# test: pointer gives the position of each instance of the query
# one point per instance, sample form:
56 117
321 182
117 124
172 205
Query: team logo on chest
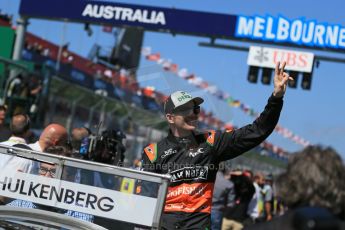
168 152
194 153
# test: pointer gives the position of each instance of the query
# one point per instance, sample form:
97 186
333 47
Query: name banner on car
268 58
101 202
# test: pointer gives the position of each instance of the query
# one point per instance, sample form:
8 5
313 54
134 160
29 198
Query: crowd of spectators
5 19
310 194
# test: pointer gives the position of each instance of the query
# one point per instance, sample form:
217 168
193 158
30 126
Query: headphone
28 122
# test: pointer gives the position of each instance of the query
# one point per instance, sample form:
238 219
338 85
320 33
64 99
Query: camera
106 147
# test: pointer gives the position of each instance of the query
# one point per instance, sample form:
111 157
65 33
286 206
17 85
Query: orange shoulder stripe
151 152
210 137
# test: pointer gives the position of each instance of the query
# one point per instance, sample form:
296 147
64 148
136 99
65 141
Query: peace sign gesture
281 79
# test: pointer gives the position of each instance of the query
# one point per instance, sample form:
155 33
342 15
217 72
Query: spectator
223 197
244 190
255 205
53 134
44 169
15 86
268 198
26 87
47 170
34 85
313 188
5 132
69 174
78 134
20 125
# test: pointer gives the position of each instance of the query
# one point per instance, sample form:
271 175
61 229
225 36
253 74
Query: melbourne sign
268 57
299 31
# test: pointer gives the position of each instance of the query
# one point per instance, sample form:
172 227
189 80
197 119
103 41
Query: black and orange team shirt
193 163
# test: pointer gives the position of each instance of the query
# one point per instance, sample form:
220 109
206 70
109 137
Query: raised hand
280 80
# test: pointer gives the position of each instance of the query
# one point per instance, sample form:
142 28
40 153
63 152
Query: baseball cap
178 99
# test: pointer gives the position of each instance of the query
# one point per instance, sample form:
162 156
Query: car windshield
24 218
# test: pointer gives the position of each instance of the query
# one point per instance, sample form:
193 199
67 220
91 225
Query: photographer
78 134
235 216
106 148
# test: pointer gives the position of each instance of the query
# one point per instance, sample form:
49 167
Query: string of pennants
198 82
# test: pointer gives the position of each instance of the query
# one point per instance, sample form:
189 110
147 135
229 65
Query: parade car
14 218
51 195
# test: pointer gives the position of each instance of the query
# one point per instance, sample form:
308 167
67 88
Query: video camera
106 147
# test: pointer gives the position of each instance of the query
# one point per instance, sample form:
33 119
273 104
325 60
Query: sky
317 115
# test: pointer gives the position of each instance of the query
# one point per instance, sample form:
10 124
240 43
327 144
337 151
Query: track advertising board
301 32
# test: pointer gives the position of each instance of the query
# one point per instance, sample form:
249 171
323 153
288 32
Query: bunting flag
146 51
173 68
148 91
212 89
182 73
153 57
107 29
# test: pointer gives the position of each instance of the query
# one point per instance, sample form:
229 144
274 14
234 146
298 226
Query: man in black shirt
192 158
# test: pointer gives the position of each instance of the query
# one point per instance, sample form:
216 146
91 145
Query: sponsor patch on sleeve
151 152
210 137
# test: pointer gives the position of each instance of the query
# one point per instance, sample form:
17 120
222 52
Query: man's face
47 170
186 117
261 181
